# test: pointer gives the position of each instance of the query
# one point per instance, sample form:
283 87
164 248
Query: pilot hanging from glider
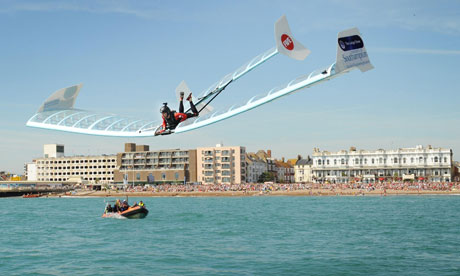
171 118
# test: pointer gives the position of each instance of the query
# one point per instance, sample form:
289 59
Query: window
176 176
436 159
163 176
445 159
138 176
327 161
319 162
395 160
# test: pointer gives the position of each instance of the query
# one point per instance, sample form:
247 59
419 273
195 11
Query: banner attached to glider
351 52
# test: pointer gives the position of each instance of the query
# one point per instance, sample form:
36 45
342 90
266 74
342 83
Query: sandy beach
312 192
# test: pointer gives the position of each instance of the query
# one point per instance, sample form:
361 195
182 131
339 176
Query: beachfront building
404 164
221 165
456 177
269 161
302 170
285 172
56 167
30 171
140 165
255 167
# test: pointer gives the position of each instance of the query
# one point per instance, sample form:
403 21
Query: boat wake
114 215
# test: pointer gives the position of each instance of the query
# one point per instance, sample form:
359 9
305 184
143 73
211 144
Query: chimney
299 157
269 153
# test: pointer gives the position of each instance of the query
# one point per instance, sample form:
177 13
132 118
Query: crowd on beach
270 187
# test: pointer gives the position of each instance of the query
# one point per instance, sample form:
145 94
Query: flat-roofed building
30 171
221 165
53 150
56 167
140 165
418 163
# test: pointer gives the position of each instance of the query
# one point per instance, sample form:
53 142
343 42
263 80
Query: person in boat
141 204
108 208
124 206
171 118
117 206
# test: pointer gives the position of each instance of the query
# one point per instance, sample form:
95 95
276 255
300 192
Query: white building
302 170
219 164
30 171
56 167
255 167
419 163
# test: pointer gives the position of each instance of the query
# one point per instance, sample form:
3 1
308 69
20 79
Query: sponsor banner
287 42
351 52
350 42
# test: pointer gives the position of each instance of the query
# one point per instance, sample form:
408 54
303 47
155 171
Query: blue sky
130 56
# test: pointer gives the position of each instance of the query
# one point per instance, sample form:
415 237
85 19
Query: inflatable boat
137 212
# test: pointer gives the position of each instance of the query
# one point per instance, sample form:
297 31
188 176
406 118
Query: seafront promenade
313 189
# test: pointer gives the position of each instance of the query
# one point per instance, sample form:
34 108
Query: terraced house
404 164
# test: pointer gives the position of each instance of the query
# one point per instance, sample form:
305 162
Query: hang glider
58 112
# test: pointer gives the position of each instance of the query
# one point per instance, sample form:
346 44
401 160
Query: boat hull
132 213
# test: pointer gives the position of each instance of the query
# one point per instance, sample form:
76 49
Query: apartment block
219 164
140 165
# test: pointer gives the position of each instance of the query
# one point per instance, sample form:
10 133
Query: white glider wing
351 54
58 113
286 44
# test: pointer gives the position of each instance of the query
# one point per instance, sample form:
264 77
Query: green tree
266 176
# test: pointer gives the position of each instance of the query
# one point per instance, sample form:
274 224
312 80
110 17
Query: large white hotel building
56 167
419 163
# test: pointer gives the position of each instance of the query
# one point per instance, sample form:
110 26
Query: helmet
165 108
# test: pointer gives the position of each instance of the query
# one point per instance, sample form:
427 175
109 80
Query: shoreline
313 192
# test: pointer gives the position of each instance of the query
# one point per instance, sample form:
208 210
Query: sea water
395 235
